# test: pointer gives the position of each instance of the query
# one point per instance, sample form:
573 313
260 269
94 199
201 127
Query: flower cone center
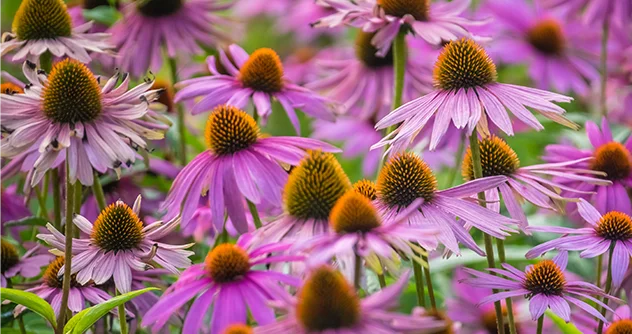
263 71
404 179
10 88
166 97
51 275
314 186
547 37
613 159
117 228
42 19
615 226
417 8
9 256
463 64
366 188
497 158
158 8
72 94
327 302
354 213
620 327
238 329
227 262
545 278
229 130
365 51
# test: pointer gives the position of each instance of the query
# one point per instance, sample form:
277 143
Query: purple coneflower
406 178
612 230
44 26
465 76
596 11
228 283
433 22
531 183
238 164
178 26
326 303
544 285
255 78
51 290
117 243
610 157
561 53
28 265
68 110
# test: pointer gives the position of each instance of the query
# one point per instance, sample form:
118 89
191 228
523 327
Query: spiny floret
263 71
615 226
52 276
367 188
158 8
229 130
497 158
365 51
463 64
314 186
238 329
623 326
9 256
117 228
404 179
42 19
354 213
72 94
614 160
547 37
545 277
227 262
327 302
419 9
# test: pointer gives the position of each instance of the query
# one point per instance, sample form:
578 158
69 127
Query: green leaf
30 301
27 221
83 320
565 328
103 14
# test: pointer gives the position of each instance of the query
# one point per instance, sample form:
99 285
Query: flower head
28 265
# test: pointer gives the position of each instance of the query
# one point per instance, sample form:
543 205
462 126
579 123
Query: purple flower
326 303
255 78
611 230
13 206
561 53
434 22
544 285
41 26
595 11
117 243
228 283
238 164
102 127
610 157
177 26
468 95
406 178
28 265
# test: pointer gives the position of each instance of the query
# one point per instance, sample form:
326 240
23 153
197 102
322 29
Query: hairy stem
540 324
181 126
97 189
500 245
122 318
607 288
431 295
61 319
357 275
56 197
604 66
419 284
255 214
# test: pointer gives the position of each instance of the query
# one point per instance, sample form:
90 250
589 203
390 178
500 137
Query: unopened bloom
100 126
256 78
45 26
327 303
239 163
610 230
28 265
118 243
468 95
228 283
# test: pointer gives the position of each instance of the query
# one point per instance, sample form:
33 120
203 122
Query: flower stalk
61 319
604 66
607 288
181 126
419 284
357 275
97 189
500 245
255 214
540 324
56 197
431 296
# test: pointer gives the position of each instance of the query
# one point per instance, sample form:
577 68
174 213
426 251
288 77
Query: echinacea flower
327 303
468 95
101 127
44 26
610 157
531 183
357 231
544 285
406 178
612 230
434 22
256 78
118 243
228 283
595 11
177 26
621 321
561 53
28 265
239 163
51 290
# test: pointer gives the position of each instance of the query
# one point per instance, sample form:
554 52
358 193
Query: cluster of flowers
262 233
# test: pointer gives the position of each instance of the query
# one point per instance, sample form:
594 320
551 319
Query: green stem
255 214
21 324
382 280
97 189
607 288
46 61
122 318
357 274
599 266
431 295
181 126
457 163
604 66
489 248
419 284
500 245
61 319
56 197
42 203
540 324
78 200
